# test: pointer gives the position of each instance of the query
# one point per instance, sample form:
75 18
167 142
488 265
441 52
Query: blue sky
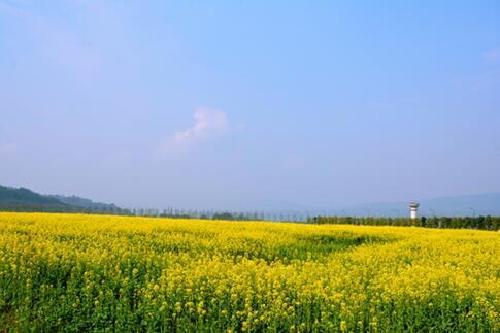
250 104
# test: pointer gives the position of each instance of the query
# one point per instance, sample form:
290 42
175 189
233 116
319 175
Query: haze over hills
464 205
85 203
451 206
467 205
22 199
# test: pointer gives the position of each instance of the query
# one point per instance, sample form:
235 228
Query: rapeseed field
78 272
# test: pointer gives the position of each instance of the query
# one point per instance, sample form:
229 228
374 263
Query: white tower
413 210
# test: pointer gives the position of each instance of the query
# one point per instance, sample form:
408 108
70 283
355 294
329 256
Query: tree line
487 222
219 215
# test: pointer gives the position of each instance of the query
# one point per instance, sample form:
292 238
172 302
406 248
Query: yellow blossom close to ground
79 272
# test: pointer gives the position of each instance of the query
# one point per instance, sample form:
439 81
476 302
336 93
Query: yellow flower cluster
81 272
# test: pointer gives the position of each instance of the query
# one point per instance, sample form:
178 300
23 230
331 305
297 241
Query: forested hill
22 199
85 203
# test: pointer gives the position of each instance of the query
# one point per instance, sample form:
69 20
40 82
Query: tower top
414 204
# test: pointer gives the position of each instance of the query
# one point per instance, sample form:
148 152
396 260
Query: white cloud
208 123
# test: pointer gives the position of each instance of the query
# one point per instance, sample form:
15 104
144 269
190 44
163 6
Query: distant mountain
26 200
465 205
85 203
22 199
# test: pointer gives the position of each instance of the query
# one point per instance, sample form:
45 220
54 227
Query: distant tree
223 216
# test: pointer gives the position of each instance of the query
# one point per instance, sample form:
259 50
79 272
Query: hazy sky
250 104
